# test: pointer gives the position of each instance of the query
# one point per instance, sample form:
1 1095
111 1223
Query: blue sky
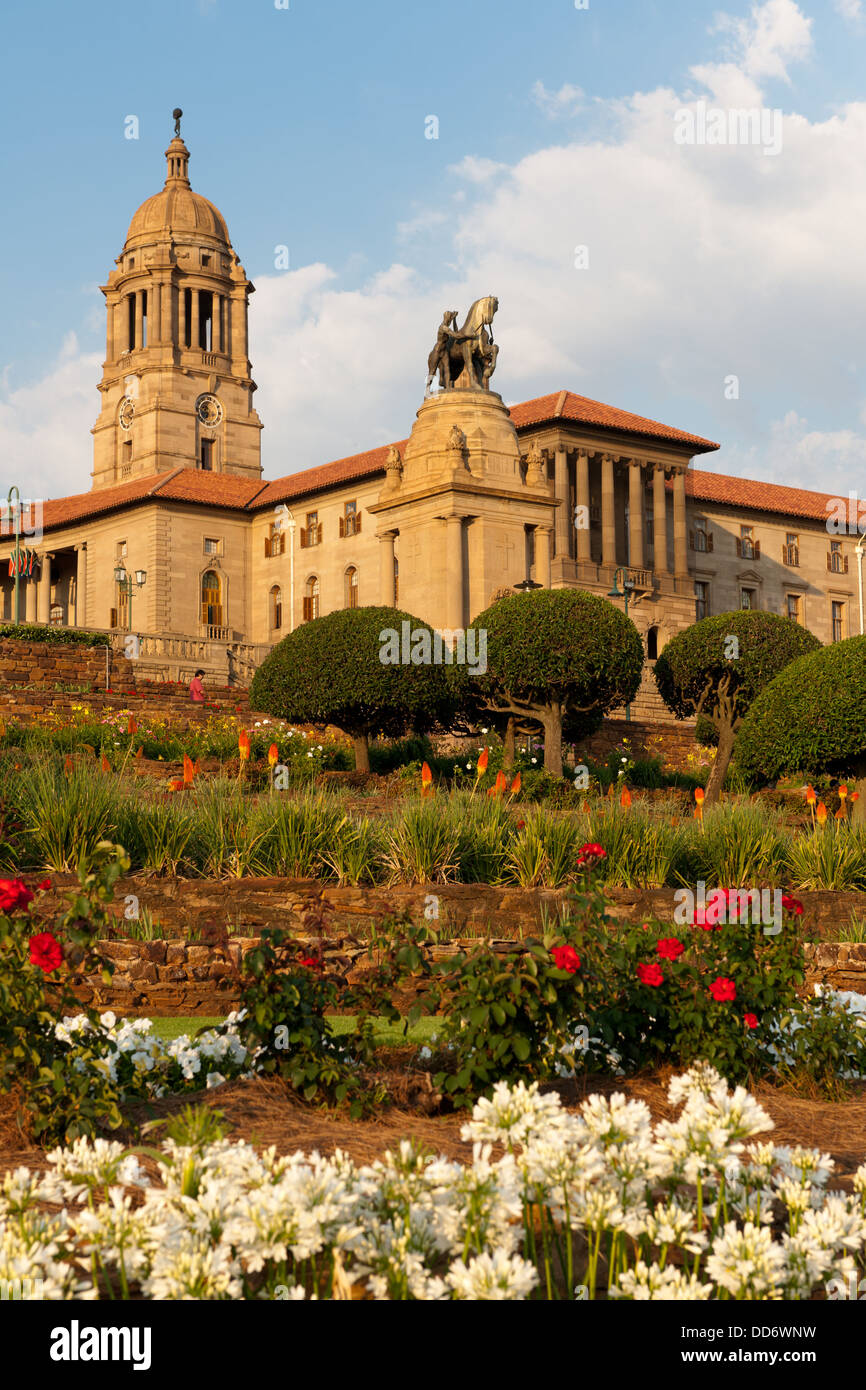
307 127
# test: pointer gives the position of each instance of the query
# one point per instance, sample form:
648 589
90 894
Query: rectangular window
700 533
702 600
211 545
121 550
837 563
748 598
837 621
791 549
207 454
275 540
794 607
311 534
747 547
350 521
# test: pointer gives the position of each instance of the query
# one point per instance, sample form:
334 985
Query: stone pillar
453 573
194 336
681 548
109 332
154 326
608 516
542 555
635 515
139 317
584 547
660 521
29 599
181 316
43 602
216 324
81 586
563 497
386 569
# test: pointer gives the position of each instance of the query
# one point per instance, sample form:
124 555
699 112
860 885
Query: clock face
209 410
126 413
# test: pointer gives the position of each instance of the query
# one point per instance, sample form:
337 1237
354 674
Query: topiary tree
812 719
714 669
344 669
556 656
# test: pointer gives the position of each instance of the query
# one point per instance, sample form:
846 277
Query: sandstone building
560 491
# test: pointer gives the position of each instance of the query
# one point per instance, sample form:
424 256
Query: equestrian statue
466 356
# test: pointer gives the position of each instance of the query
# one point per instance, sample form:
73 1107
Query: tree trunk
508 744
362 753
858 810
552 724
720 764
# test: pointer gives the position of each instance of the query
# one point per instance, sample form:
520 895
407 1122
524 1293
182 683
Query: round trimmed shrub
713 670
811 718
562 657
331 671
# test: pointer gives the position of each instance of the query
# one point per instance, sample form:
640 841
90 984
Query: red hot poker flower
669 947
45 952
651 974
723 990
566 958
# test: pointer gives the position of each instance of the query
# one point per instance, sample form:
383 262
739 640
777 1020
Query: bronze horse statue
469 349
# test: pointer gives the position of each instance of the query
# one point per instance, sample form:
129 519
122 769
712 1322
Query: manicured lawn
388 1035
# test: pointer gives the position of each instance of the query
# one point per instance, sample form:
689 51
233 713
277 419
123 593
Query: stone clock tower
176 385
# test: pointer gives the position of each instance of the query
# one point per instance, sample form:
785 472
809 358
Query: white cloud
849 9
564 102
477 170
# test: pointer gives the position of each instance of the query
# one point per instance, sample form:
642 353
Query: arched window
55 616
311 599
652 644
211 599
351 587
276 607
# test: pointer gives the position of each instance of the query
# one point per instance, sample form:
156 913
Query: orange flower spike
131 727
426 780
811 798
196 767
843 791
67 764
855 796
841 814
140 753
176 785
483 760
500 784
243 745
625 799
106 765
699 795
516 785
188 770
821 813
273 755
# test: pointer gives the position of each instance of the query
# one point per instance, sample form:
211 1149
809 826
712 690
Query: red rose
590 855
707 918
650 974
45 952
566 958
750 1020
14 894
44 886
310 963
669 947
790 904
723 990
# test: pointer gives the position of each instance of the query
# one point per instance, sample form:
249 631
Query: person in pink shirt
196 689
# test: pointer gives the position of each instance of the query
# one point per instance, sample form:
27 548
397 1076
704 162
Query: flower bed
576 1205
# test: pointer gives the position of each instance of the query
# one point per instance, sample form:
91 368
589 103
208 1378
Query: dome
177 208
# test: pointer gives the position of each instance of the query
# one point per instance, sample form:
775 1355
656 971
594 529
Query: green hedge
60 636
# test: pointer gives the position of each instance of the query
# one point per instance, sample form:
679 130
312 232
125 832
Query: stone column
562 490
608 517
660 521
181 316
635 515
43 603
386 569
216 325
81 586
139 317
194 336
154 327
584 547
454 573
542 555
681 549
29 599
109 332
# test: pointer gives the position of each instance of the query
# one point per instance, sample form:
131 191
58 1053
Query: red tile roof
565 405
763 497
180 485
326 475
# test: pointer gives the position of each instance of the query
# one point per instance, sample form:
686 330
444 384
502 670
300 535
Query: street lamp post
15 553
616 592
858 550
127 587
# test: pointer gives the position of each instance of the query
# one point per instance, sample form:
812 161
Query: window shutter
845 571
319 534
691 540
267 545
342 526
740 548
357 523
308 609
113 620
756 550
829 560
709 540
282 542
303 534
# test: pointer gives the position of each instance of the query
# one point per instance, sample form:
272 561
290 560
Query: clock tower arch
177 390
